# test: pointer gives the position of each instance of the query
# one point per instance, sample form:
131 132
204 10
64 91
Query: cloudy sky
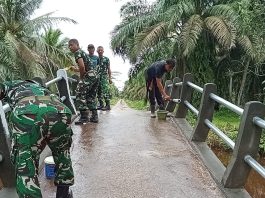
96 19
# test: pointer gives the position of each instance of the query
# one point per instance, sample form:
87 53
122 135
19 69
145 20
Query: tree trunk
243 82
180 68
231 87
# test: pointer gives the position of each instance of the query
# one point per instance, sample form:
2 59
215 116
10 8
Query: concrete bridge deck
128 154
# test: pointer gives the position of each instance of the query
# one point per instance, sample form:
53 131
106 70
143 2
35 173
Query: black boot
100 105
94 116
83 118
64 192
107 107
153 108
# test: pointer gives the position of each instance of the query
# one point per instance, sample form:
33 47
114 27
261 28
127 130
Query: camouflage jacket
15 90
95 63
87 60
104 64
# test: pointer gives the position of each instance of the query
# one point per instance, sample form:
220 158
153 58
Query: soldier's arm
109 72
81 65
161 89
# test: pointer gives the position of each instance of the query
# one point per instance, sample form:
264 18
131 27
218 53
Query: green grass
114 101
227 121
136 104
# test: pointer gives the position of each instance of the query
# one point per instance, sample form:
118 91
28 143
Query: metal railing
245 148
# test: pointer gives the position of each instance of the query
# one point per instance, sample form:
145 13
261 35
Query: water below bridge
128 154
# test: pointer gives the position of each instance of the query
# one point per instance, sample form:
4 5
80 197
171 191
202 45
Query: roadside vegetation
218 41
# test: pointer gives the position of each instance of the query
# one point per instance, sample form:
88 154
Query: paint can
49 167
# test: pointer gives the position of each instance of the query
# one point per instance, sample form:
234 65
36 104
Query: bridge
128 154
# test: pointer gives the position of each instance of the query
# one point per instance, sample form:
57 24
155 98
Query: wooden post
247 143
186 92
200 131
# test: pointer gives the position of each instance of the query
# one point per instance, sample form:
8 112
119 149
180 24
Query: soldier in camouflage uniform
37 119
105 80
87 88
94 58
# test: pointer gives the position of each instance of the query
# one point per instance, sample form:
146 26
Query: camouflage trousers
34 124
86 92
103 89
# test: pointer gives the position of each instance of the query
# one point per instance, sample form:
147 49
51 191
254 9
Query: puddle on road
163 154
149 154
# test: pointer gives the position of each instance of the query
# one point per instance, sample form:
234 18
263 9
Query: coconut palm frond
223 31
224 11
27 58
245 42
24 9
164 5
24 52
133 9
188 7
149 37
172 15
190 34
176 50
122 32
45 22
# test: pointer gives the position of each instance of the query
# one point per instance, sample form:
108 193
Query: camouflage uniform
94 61
37 118
104 90
87 88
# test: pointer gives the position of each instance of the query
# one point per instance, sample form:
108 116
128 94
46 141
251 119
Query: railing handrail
259 122
255 165
227 104
191 107
176 84
55 80
210 96
196 87
220 133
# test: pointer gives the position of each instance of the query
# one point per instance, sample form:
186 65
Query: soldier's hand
73 68
167 98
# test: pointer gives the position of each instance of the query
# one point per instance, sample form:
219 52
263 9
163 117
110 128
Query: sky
96 19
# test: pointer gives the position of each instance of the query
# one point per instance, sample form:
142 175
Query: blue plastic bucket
49 167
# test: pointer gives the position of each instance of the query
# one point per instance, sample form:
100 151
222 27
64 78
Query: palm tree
55 51
20 36
217 40
186 24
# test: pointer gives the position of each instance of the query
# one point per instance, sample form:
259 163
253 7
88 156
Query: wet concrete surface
129 155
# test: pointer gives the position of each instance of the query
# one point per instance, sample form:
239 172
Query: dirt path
128 154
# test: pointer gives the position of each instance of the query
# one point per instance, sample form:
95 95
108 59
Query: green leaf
223 31
190 34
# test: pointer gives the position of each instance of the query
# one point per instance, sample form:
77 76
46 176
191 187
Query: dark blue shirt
94 60
156 70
